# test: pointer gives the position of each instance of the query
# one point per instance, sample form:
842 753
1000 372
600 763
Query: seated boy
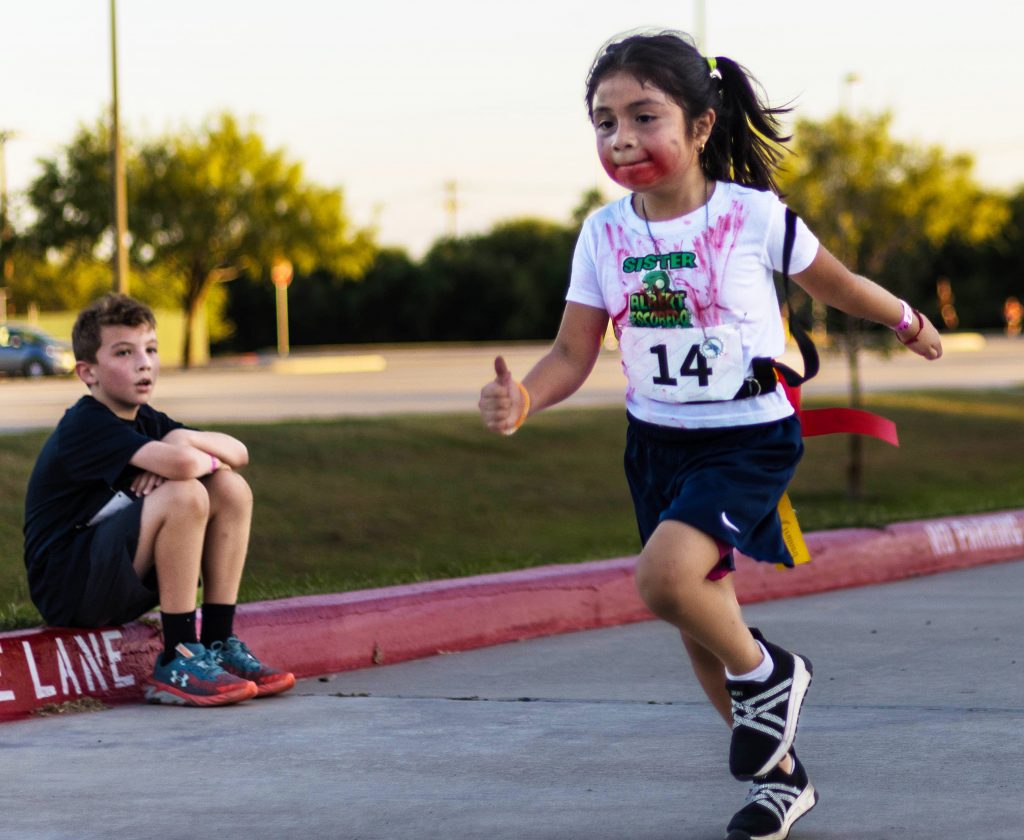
126 509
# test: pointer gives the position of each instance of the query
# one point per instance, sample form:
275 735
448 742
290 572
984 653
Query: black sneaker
774 803
765 714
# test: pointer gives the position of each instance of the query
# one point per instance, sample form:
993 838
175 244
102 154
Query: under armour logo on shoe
179 679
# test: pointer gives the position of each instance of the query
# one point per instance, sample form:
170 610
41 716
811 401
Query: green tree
883 207
590 201
61 261
505 284
73 196
215 203
202 208
982 277
508 283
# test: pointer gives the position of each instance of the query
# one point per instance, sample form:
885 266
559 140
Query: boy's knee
227 487
186 497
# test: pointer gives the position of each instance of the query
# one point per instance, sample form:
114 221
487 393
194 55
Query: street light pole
120 193
281 273
6 260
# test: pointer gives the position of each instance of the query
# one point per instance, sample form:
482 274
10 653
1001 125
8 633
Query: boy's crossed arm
184 454
228 450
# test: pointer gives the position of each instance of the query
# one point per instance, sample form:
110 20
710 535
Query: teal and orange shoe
235 658
194 678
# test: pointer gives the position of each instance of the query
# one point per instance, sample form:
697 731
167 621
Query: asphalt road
912 731
374 381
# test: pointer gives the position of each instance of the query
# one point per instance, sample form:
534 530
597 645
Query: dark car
31 352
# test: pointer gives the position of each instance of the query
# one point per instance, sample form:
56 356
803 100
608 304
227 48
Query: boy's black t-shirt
80 467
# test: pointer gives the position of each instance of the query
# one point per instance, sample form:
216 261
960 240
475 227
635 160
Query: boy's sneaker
193 678
237 659
774 803
765 714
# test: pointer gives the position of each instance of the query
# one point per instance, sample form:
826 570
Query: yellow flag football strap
792 536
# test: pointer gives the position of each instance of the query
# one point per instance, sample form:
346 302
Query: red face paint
634 176
639 175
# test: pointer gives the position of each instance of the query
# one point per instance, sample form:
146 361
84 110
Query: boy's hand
146 482
922 338
501 401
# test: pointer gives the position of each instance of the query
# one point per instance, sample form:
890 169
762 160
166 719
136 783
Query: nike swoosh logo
728 524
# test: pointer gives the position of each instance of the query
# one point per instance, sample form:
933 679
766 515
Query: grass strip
358 503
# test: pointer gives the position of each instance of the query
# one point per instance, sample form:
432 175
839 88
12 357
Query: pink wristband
908 317
214 464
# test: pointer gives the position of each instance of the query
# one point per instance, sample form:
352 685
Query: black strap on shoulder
764 380
808 351
788 240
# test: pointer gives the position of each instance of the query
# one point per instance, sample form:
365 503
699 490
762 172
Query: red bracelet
913 338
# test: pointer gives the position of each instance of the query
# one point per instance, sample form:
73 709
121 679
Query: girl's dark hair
745 145
111 310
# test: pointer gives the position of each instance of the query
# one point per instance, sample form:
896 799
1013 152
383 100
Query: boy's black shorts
113 593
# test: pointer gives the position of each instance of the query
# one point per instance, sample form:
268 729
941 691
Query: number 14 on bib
684 365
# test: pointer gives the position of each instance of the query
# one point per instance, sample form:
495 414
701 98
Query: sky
394 102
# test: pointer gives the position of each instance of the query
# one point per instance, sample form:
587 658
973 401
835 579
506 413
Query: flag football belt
763 380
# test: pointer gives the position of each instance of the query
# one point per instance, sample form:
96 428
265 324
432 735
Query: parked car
31 352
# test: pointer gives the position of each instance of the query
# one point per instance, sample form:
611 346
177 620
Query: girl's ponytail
746 144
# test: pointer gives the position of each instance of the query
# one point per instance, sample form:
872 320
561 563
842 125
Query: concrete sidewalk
913 730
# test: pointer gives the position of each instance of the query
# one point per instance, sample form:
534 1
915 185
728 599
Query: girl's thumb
502 373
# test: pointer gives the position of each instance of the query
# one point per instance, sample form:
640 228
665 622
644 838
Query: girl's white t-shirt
708 270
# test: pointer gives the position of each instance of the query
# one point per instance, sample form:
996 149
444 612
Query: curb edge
53 668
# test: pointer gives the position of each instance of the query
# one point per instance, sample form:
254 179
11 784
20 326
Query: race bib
684 365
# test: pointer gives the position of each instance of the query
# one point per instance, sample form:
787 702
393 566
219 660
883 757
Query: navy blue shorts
113 593
724 482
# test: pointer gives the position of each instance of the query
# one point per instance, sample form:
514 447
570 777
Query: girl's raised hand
501 401
922 337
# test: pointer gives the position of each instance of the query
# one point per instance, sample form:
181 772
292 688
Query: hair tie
715 73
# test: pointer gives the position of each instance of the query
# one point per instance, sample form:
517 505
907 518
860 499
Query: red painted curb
329 633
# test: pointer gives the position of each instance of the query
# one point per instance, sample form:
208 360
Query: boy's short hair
111 310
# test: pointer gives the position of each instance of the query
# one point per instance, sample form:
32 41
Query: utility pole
120 193
846 84
6 233
700 25
451 206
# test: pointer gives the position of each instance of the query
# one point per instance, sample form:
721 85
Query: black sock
218 623
178 628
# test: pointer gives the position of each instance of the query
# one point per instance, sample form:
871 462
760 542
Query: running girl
683 266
